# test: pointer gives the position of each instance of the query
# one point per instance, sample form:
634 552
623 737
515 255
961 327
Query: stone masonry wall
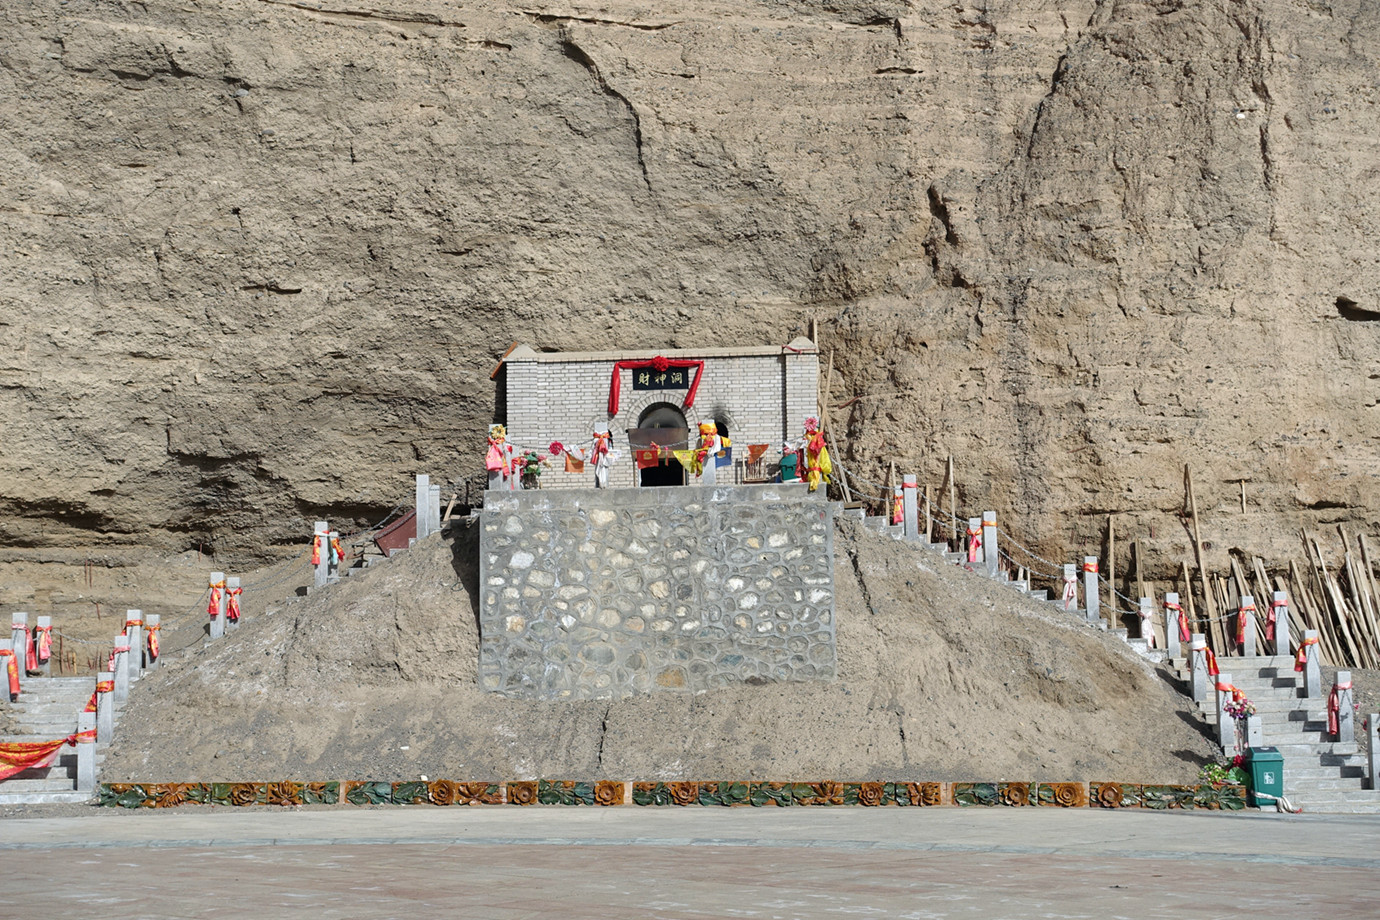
598 594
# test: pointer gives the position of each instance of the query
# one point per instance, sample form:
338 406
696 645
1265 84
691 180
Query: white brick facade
762 393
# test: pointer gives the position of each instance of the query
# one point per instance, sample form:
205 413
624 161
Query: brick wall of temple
599 594
764 395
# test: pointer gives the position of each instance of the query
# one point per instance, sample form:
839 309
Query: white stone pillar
153 626
1172 646
424 496
232 583
990 553
321 537
1070 586
1092 603
105 706
1373 767
1312 668
1346 714
1280 608
975 546
217 607
86 753
134 628
19 629
45 666
910 507
434 508
1197 656
1226 725
333 561
1255 733
1247 610
1146 610
121 668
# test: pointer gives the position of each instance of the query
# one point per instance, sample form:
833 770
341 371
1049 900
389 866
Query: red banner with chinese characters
36 755
660 365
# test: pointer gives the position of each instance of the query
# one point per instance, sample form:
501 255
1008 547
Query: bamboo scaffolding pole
1113 618
953 504
1348 650
1356 605
929 517
1370 589
1136 545
1365 608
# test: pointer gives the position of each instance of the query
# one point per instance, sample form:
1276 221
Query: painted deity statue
818 466
602 457
500 459
704 465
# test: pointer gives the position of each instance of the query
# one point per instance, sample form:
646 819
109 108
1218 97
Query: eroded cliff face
262 256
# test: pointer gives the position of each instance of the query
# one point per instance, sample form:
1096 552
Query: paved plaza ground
502 863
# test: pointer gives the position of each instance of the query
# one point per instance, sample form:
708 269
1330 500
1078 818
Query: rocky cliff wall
261 256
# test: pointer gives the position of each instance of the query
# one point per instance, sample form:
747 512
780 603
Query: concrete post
152 627
975 547
217 606
1255 734
1226 725
105 706
434 505
1070 586
423 497
910 507
1147 613
232 583
332 559
134 628
121 668
1198 661
1091 602
321 541
1312 669
45 665
1346 713
1172 645
1280 608
86 753
19 640
1373 768
1247 611
5 652
989 543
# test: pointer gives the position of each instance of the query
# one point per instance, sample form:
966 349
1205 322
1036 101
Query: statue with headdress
818 466
601 454
499 459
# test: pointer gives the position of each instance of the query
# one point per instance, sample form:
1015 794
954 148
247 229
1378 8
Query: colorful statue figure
602 456
499 460
790 460
818 467
529 467
703 464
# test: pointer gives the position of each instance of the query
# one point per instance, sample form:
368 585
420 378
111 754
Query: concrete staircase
1320 775
47 709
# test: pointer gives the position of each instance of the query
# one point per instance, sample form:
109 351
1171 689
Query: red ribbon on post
1183 621
1212 668
232 606
1301 661
45 643
657 364
1270 618
1242 618
152 630
213 607
12 667
1334 707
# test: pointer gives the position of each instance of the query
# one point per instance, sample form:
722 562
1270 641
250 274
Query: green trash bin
1266 767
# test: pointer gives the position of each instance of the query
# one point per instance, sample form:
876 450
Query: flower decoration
1239 708
660 364
555 448
522 793
608 793
870 794
685 793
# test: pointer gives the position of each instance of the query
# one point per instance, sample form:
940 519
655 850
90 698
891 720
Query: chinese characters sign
675 378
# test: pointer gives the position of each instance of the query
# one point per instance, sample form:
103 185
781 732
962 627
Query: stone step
1330 783
1339 797
1040 595
60 783
44 798
1315 751
956 558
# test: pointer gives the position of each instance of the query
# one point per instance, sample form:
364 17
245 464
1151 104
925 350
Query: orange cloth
45 643
1183 621
1302 660
573 465
755 452
316 540
232 607
1334 707
12 667
30 656
35 755
1242 618
213 607
1212 668
153 640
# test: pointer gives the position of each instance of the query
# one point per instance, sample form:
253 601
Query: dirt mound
943 675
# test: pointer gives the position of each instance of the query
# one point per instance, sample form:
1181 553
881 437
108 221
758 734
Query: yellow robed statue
818 467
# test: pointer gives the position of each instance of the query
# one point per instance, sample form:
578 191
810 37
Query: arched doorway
665 425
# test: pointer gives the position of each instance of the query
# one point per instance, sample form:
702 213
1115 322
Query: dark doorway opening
664 425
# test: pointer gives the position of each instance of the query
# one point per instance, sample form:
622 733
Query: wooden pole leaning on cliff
1198 546
953 504
1113 617
829 428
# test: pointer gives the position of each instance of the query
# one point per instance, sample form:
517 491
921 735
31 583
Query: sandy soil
943 675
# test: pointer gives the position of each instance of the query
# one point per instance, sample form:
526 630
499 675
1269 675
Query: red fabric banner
1212 668
658 364
646 457
1274 615
232 605
12 667
755 452
153 640
572 465
45 643
1302 660
1334 707
1242 618
213 606
36 755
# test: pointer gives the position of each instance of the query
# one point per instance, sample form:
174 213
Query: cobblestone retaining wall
598 594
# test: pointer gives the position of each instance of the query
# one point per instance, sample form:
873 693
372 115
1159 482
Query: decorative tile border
725 793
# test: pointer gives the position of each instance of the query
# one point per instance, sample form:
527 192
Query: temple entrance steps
47 709
1320 775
